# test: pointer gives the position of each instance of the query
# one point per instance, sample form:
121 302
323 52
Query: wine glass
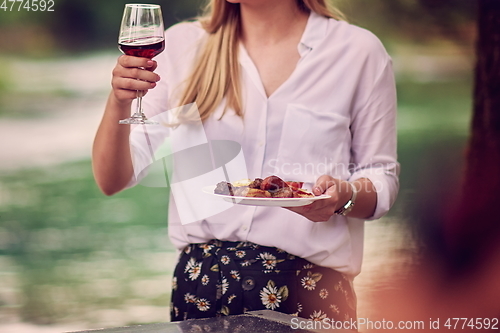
141 35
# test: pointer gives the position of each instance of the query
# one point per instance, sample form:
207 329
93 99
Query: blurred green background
71 256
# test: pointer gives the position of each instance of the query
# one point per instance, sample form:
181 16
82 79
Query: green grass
60 236
438 107
433 128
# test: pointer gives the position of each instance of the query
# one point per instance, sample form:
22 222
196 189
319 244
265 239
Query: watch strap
346 209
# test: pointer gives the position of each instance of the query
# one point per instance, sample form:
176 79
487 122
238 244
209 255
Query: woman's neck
269 22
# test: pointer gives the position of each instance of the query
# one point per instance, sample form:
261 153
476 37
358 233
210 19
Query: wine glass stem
139 103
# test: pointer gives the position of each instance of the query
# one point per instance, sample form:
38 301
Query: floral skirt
228 278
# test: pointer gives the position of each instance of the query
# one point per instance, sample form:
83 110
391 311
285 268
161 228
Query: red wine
146 47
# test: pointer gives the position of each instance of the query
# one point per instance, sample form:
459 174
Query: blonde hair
216 74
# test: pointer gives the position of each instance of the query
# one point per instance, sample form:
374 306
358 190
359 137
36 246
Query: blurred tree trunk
475 226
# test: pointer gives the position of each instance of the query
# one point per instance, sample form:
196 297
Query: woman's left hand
321 210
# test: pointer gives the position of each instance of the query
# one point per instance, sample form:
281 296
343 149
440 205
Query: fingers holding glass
141 38
126 80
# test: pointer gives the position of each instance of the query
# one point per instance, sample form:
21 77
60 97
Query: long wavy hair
216 73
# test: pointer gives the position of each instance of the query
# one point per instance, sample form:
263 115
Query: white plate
271 202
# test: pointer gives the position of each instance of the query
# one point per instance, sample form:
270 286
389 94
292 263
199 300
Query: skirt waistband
246 255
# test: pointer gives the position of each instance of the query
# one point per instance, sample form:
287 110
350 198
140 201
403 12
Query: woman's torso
301 131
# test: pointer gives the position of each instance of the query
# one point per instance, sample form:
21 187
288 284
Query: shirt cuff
386 183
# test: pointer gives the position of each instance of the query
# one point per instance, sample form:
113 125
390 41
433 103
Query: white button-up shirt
335 115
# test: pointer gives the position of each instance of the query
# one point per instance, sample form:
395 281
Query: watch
346 209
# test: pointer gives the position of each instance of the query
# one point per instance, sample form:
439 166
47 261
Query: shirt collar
314 32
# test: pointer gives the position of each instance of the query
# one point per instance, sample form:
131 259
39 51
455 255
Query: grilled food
269 187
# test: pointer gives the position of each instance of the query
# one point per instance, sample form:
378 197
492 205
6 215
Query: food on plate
269 187
273 184
245 191
256 183
283 192
224 188
295 185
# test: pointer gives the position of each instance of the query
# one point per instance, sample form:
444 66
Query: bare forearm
111 158
366 199
341 192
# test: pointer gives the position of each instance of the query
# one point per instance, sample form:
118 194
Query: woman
309 98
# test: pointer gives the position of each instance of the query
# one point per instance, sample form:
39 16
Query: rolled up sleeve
374 140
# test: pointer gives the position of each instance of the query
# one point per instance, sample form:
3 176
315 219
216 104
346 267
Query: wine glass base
138 118
137 121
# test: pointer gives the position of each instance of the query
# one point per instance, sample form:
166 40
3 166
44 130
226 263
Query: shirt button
248 283
244 228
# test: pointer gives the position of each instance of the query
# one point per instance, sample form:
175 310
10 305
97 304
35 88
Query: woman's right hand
132 74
